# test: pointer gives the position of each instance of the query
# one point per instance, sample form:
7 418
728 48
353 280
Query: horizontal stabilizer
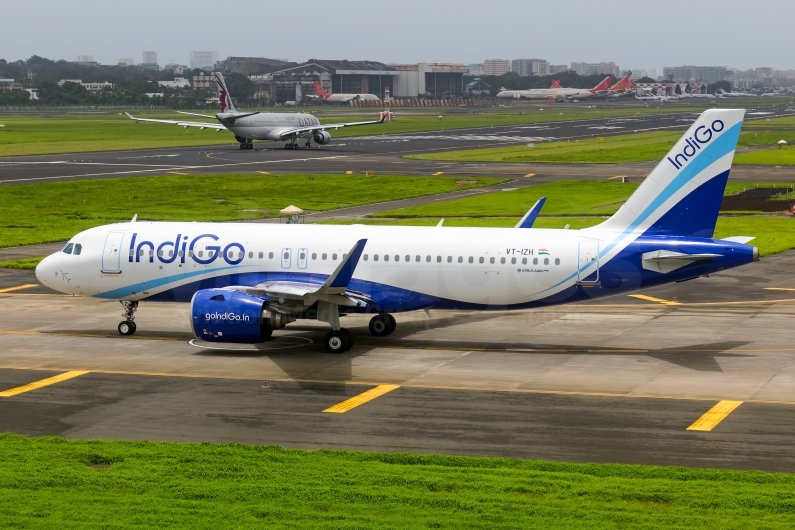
739 239
665 261
531 215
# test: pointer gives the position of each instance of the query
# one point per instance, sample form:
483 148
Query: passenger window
438 259
151 252
323 256
190 254
535 261
524 261
68 248
491 260
78 249
513 261
302 255
557 261
334 257
240 255
286 255
132 253
364 257
546 261
261 255
375 257
314 255
428 259
418 258
460 259
397 258
449 259
502 261
181 253
480 259
270 255
408 258
140 252
201 253
170 253
250 254
471 259
386 257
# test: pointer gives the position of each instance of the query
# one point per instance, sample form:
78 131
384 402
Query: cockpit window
68 248
78 249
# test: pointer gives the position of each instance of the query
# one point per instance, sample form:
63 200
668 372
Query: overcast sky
633 33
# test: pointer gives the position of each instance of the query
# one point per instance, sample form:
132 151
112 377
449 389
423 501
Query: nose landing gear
128 327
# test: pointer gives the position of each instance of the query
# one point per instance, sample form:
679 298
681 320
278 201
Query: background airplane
245 280
250 126
322 95
557 93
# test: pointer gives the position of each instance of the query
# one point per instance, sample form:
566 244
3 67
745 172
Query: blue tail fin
682 195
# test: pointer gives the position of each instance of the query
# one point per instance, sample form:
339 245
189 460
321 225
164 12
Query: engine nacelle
322 138
218 315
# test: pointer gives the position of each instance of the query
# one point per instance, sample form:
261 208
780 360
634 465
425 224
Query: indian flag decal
543 251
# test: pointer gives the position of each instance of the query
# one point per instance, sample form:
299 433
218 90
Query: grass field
54 483
41 213
24 264
51 133
640 147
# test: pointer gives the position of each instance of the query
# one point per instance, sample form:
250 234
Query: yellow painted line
42 383
653 299
18 287
263 172
530 175
177 173
361 399
714 416
779 288
349 172
438 173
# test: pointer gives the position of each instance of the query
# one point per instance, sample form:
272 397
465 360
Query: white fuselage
268 125
546 93
344 98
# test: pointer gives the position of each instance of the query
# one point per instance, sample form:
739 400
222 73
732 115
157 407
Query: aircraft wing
186 124
287 132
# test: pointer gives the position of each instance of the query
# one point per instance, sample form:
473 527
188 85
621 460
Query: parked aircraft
725 94
245 280
249 126
322 95
556 93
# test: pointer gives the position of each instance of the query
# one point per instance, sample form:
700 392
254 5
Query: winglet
135 218
440 223
342 275
530 217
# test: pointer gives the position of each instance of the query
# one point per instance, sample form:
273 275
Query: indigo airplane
249 126
245 280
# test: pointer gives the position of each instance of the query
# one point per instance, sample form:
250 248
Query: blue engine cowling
218 315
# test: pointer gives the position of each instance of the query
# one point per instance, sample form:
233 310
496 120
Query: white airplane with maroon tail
324 96
249 126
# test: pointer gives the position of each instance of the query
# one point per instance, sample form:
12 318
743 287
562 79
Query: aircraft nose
45 270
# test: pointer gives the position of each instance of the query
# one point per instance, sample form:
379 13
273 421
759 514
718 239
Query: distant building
86 60
475 69
7 85
178 69
586 69
496 66
203 60
91 87
126 61
529 67
558 68
204 82
178 82
150 61
154 94
706 74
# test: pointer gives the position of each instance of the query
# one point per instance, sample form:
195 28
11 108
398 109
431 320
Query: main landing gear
248 145
338 340
128 327
382 325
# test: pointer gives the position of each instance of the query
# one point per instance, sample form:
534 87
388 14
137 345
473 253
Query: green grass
25 264
41 213
42 132
50 483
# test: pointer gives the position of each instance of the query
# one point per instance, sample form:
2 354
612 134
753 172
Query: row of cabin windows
302 255
439 259
73 248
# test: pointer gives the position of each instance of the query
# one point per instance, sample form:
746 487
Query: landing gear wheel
127 327
336 342
250 146
382 325
349 335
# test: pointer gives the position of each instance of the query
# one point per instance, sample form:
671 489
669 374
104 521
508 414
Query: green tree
241 88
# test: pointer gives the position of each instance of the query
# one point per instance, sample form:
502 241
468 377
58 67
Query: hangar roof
319 66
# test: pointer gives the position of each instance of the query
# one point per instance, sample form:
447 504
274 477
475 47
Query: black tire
336 342
349 335
127 327
242 147
379 326
392 323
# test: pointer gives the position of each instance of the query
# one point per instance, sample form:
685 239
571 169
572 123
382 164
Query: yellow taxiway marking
714 416
779 288
361 399
19 287
42 383
177 173
349 172
263 172
530 175
438 173
653 299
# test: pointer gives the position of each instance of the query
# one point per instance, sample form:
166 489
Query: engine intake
322 138
218 315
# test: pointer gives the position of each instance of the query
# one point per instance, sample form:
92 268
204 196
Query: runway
627 379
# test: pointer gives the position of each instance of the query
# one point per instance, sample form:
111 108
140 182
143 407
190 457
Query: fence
16 108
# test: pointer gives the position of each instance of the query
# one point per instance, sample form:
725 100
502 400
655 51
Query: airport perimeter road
700 373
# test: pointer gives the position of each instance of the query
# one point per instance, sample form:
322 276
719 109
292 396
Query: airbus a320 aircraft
250 126
557 92
324 96
245 280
